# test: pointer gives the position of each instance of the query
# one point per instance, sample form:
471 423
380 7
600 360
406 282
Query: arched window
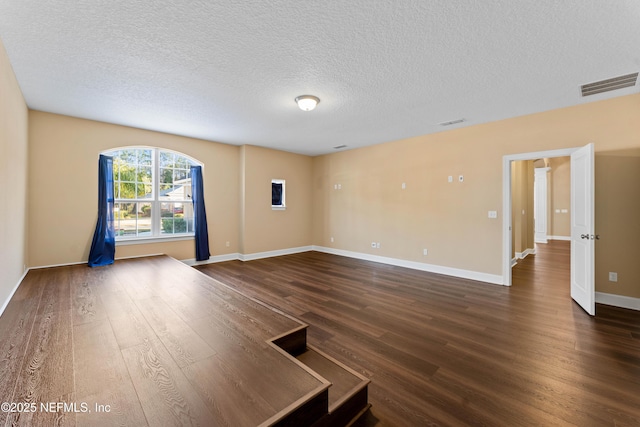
152 189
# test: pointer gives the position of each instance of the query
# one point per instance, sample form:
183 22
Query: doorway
540 195
581 213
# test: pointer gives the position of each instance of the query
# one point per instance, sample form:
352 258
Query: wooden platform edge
312 408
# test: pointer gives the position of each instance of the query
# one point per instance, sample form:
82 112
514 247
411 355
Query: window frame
156 235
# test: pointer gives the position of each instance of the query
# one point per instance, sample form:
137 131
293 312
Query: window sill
159 239
278 208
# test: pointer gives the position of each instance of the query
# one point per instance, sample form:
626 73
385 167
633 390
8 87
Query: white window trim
126 241
156 219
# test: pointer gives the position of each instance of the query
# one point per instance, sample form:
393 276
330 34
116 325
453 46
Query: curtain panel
200 215
103 246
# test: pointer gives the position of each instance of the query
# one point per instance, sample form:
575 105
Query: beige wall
13 179
264 229
560 197
618 222
522 178
237 181
63 185
450 219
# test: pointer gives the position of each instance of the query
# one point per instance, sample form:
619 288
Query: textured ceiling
229 70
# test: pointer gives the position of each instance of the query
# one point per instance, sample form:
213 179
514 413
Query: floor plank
165 394
102 378
16 325
182 342
85 300
47 370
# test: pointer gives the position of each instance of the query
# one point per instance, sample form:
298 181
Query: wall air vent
615 83
452 122
338 147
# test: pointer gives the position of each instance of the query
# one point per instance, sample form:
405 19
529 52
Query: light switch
450 179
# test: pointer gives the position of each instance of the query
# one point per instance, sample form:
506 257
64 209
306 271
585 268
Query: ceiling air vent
615 83
338 147
452 122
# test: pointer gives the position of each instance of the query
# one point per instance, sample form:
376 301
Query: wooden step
348 398
343 380
345 397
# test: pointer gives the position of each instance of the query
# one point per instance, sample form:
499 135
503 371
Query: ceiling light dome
307 102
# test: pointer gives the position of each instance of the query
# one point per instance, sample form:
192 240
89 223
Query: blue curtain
103 246
199 215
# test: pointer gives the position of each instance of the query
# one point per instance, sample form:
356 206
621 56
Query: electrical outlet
332 240
378 245
373 245
228 244
613 276
461 178
425 252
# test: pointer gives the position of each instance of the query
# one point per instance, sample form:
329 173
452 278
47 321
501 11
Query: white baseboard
523 255
540 240
248 257
279 252
618 300
567 238
465 274
212 260
494 279
38 267
514 261
66 264
13 291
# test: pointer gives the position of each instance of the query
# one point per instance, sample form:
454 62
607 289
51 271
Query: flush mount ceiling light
307 102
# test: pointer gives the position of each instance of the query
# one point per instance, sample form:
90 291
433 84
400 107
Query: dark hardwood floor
160 345
447 351
152 342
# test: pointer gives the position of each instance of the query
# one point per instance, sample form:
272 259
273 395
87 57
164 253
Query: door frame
506 201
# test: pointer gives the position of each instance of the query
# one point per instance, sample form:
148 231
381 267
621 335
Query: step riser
347 412
293 343
308 413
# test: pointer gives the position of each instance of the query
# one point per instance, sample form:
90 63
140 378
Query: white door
540 205
582 229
